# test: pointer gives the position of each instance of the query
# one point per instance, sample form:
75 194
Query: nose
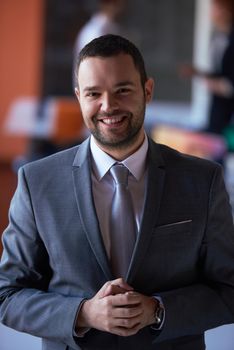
108 103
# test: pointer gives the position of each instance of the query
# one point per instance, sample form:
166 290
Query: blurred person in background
220 80
104 21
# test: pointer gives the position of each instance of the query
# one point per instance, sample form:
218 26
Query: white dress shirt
103 185
103 190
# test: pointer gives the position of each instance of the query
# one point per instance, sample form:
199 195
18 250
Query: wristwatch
159 314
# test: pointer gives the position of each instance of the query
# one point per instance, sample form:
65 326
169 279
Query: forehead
98 70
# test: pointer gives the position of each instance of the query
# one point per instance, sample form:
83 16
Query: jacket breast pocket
176 228
171 257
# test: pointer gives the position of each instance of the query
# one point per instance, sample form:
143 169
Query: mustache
117 113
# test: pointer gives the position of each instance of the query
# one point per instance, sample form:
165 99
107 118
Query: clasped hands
117 309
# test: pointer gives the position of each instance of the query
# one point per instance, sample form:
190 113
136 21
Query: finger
122 284
126 332
118 287
127 299
113 290
127 312
114 287
128 323
101 292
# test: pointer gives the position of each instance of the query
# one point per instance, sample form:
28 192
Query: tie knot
120 174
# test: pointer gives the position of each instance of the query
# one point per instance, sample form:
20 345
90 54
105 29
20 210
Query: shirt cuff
79 332
154 326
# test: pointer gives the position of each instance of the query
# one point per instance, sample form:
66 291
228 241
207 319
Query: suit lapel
155 183
86 208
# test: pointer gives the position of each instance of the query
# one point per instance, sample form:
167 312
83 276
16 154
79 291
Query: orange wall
21 54
21 38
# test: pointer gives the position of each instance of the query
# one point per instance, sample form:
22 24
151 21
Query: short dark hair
112 45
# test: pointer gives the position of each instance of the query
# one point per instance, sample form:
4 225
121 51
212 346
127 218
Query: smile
112 120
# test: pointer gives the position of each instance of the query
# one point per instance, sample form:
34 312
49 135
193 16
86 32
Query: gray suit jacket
54 256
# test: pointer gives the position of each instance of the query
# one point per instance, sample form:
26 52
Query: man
59 275
220 79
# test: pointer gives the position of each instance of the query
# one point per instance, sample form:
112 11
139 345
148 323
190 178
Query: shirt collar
102 162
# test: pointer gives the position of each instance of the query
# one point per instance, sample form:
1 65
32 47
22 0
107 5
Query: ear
149 89
77 92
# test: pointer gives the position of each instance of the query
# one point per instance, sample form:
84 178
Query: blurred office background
39 114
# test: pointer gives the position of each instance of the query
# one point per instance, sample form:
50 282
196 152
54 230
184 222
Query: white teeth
112 120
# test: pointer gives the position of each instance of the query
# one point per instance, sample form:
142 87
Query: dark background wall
163 30
63 20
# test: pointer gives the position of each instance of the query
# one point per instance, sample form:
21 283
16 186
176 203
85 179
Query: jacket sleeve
26 304
196 308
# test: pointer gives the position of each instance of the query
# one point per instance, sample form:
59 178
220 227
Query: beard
114 139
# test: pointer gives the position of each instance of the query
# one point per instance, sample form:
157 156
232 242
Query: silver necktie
122 223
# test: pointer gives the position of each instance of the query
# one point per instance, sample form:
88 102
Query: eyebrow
91 88
124 83
120 84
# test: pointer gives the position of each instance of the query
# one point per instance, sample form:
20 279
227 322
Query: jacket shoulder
177 160
55 162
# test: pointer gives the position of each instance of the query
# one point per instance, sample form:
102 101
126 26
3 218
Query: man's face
113 100
220 15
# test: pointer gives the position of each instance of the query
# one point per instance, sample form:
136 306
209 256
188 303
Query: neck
123 153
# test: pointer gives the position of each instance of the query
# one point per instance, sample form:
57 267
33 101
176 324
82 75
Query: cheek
138 103
130 103
88 110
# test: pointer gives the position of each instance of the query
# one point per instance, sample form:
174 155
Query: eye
123 91
92 94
